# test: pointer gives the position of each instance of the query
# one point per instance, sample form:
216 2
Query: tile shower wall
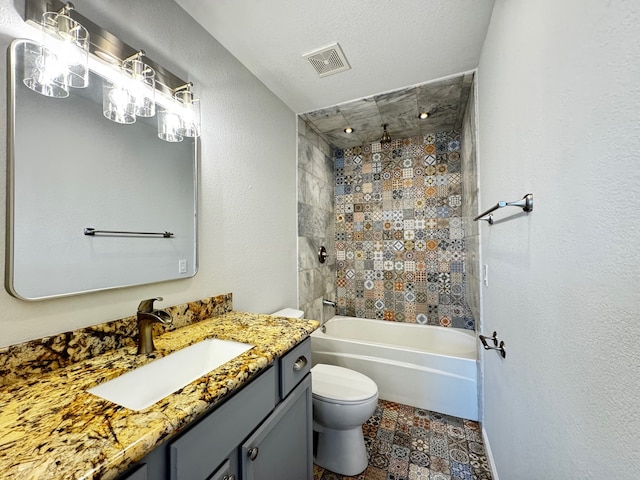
470 206
315 223
400 242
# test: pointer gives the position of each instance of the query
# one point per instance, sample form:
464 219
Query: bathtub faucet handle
329 303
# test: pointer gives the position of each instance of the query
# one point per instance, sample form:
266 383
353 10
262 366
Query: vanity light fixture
117 103
348 130
189 112
142 84
61 60
169 123
132 84
132 94
423 115
179 117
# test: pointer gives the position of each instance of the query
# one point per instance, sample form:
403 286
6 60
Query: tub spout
329 303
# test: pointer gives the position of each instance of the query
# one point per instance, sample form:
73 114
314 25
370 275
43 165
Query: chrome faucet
329 303
147 316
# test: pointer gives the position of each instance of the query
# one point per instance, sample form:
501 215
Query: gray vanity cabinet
280 448
263 432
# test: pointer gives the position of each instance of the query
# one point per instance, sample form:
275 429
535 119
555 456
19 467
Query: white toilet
343 400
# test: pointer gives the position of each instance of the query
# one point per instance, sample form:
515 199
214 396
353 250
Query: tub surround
51 427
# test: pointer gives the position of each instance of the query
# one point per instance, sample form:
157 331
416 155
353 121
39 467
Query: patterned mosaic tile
407 443
398 219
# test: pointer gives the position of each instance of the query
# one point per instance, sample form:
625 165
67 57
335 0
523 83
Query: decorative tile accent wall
400 241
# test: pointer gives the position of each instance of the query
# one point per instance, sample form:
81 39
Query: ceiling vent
328 60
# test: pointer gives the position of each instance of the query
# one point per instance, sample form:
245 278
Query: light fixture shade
117 103
70 40
189 113
142 86
169 125
43 72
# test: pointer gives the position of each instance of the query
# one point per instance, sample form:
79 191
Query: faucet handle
146 306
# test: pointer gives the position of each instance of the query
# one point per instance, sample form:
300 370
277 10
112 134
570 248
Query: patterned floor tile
407 443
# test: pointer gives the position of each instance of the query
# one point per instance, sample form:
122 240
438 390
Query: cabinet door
281 448
205 446
139 473
225 472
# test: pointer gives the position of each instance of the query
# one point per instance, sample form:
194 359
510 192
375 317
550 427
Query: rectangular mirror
70 169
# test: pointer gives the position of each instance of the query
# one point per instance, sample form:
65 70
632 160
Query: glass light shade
190 113
169 124
43 72
142 86
70 41
117 103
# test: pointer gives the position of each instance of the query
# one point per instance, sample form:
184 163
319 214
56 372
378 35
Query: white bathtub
420 365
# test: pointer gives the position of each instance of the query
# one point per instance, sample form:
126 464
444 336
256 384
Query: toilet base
341 451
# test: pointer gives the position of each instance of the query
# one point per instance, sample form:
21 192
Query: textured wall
558 102
316 224
247 205
400 241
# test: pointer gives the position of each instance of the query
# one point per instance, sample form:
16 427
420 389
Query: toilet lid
341 384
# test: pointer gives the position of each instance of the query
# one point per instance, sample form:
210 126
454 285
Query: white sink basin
150 383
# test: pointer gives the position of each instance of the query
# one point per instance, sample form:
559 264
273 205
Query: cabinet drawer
294 366
203 448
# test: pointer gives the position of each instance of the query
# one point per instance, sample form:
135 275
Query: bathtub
424 366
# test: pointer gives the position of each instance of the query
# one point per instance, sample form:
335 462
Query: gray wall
559 96
247 191
316 223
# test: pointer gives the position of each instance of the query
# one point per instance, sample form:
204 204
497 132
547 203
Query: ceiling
389 44
444 100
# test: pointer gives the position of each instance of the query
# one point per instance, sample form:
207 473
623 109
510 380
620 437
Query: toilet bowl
343 400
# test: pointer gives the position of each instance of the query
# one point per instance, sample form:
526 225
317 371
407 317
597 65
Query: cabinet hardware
300 363
253 453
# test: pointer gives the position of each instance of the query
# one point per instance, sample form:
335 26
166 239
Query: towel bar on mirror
93 232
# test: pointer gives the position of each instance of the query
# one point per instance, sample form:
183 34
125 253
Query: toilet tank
289 312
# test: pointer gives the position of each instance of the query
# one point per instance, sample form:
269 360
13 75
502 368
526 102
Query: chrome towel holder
526 203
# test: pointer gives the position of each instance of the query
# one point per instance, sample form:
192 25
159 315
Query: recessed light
423 115
348 130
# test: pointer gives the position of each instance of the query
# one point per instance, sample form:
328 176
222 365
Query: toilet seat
335 384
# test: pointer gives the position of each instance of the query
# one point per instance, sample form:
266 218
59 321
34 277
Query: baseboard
487 448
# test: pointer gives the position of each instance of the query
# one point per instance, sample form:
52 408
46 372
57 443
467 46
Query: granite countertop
51 427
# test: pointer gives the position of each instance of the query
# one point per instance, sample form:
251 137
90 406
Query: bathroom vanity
263 432
250 418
